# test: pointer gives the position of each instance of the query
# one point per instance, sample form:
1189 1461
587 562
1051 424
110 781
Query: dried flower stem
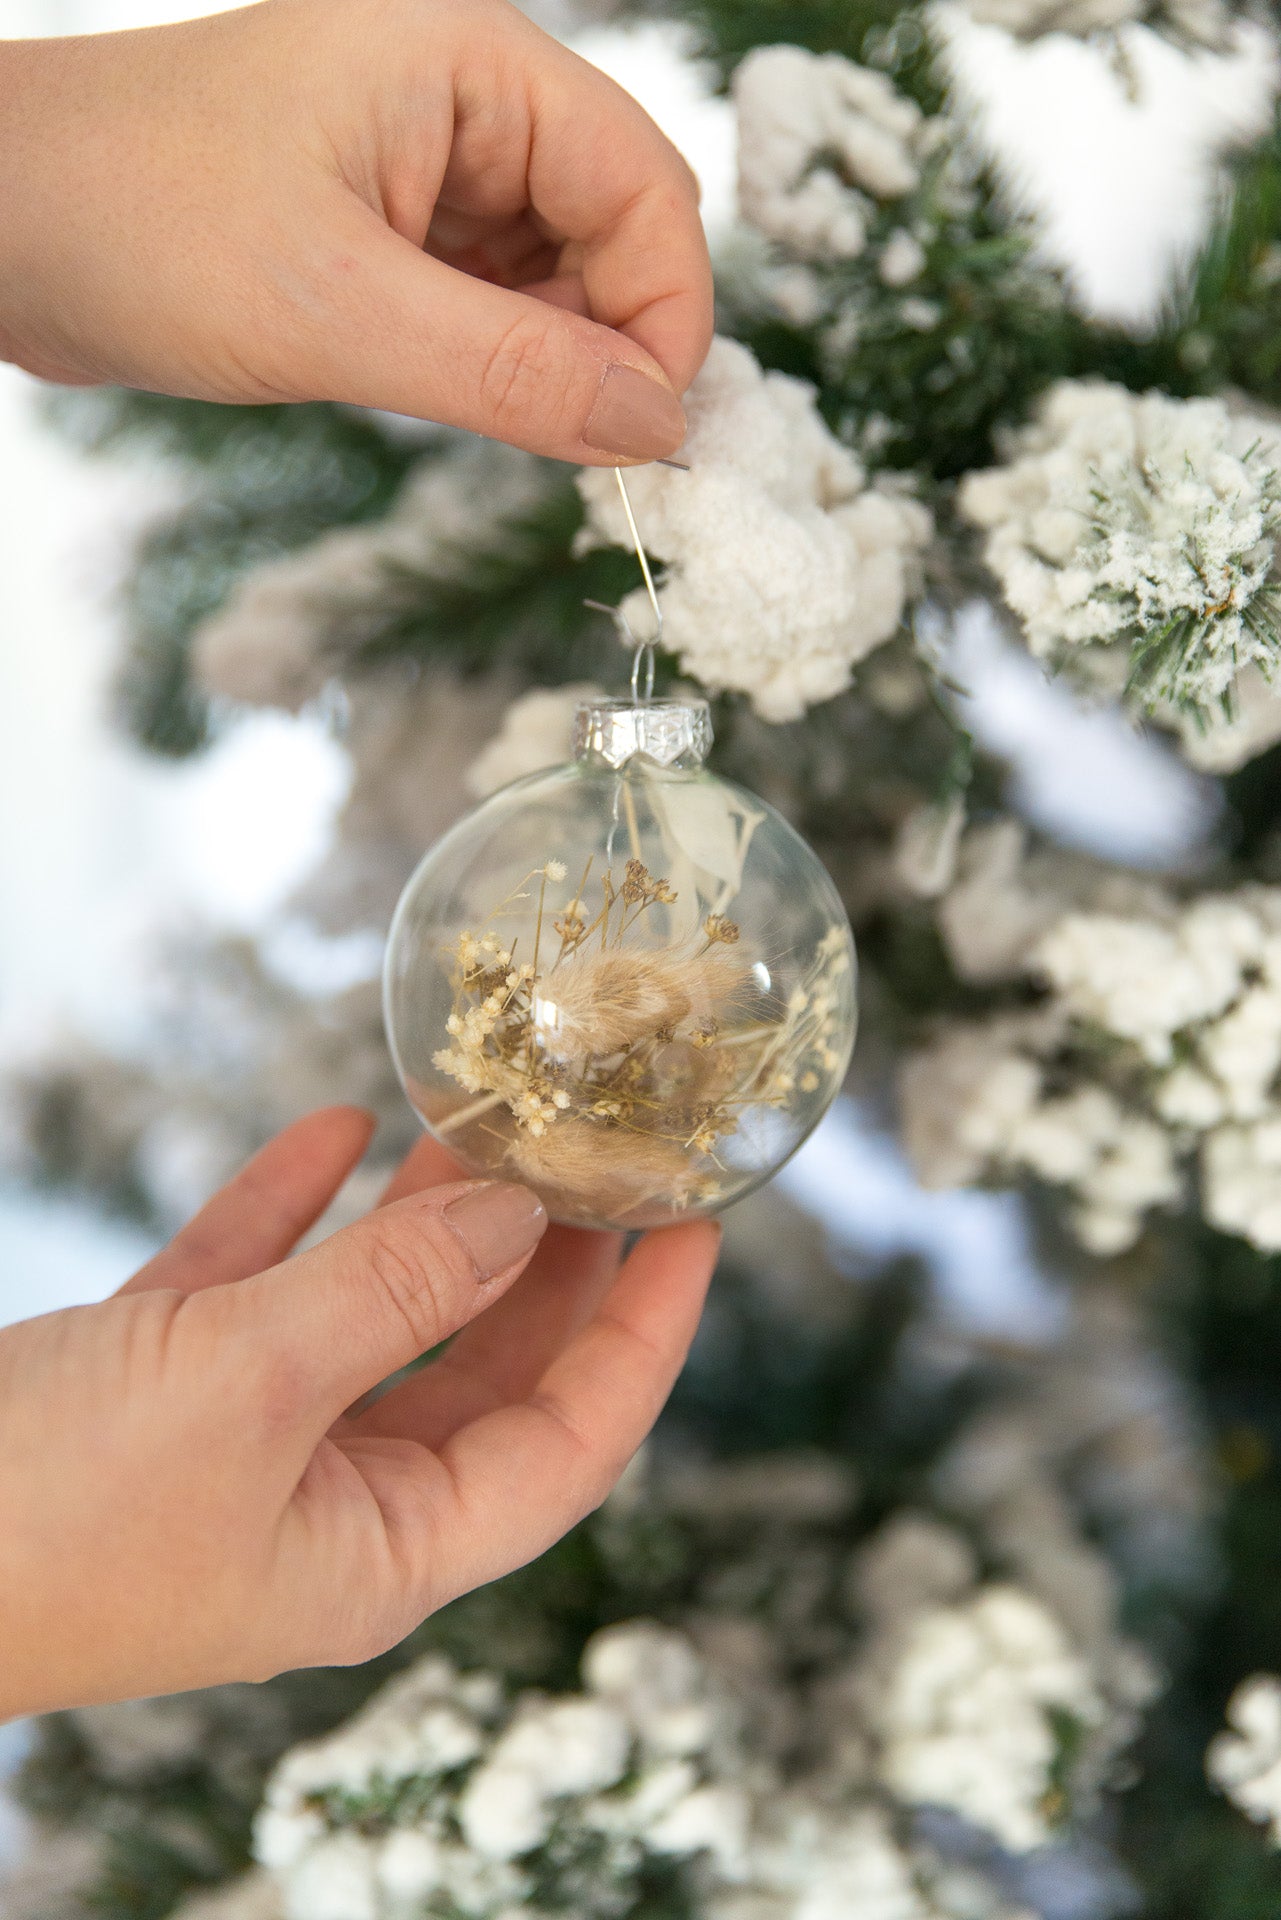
464 1116
633 826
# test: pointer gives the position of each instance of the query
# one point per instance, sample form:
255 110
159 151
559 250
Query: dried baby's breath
613 1064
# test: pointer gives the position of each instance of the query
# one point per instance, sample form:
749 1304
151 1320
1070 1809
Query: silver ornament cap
671 733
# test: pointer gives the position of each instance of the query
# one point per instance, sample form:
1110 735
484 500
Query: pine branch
112 420
1005 328
1222 323
183 570
262 481
881 33
920 374
514 600
1193 1856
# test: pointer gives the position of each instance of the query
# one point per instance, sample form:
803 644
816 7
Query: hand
184 1497
423 205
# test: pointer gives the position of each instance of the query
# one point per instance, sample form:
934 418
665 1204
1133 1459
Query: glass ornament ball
626 982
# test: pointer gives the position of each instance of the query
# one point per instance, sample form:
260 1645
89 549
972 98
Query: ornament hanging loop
643 674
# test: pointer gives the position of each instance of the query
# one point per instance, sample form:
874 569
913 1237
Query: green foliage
353 455
257 482
512 598
183 569
1222 326
263 481
381 1803
923 376
1194 1855
1165 660
880 33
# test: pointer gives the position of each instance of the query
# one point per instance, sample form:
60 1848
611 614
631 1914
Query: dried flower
630 1169
610 1066
597 1003
1245 1761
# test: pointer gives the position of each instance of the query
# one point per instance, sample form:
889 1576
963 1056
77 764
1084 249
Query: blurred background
189 942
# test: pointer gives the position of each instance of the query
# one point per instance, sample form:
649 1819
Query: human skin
428 206
191 1490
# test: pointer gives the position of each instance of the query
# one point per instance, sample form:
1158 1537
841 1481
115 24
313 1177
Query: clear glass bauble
626 982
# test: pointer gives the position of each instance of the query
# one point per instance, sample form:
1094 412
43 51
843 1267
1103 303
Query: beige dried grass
600 1002
618 1169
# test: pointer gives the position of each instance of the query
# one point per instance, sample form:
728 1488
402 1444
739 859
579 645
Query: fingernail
634 416
498 1224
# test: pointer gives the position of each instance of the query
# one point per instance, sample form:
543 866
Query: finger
504 1488
562 290
512 255
603 174
331 1323
260 1216
503 1355
400 330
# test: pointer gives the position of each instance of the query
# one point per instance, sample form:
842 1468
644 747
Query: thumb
407 333
331 1323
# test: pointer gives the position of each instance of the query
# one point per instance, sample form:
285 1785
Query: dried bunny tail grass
617 1168
598 1003
683 1076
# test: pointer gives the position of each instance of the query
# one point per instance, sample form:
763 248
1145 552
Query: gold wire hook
643 557
642 650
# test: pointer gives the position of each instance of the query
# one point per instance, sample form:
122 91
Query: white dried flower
902 259
1186 1097
1006 895
926 847
1029 19
569 1746
1242 1051
337 1880
1245 1761
443 1795
1144 981
795 291
973 1713
816 1861
829 1864
973 1108
964 1101
1163 1031
1134 536
817 135
922 316
1241 1181
534 735
784 567
911 1562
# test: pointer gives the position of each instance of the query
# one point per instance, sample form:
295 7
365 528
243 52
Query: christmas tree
896 1617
